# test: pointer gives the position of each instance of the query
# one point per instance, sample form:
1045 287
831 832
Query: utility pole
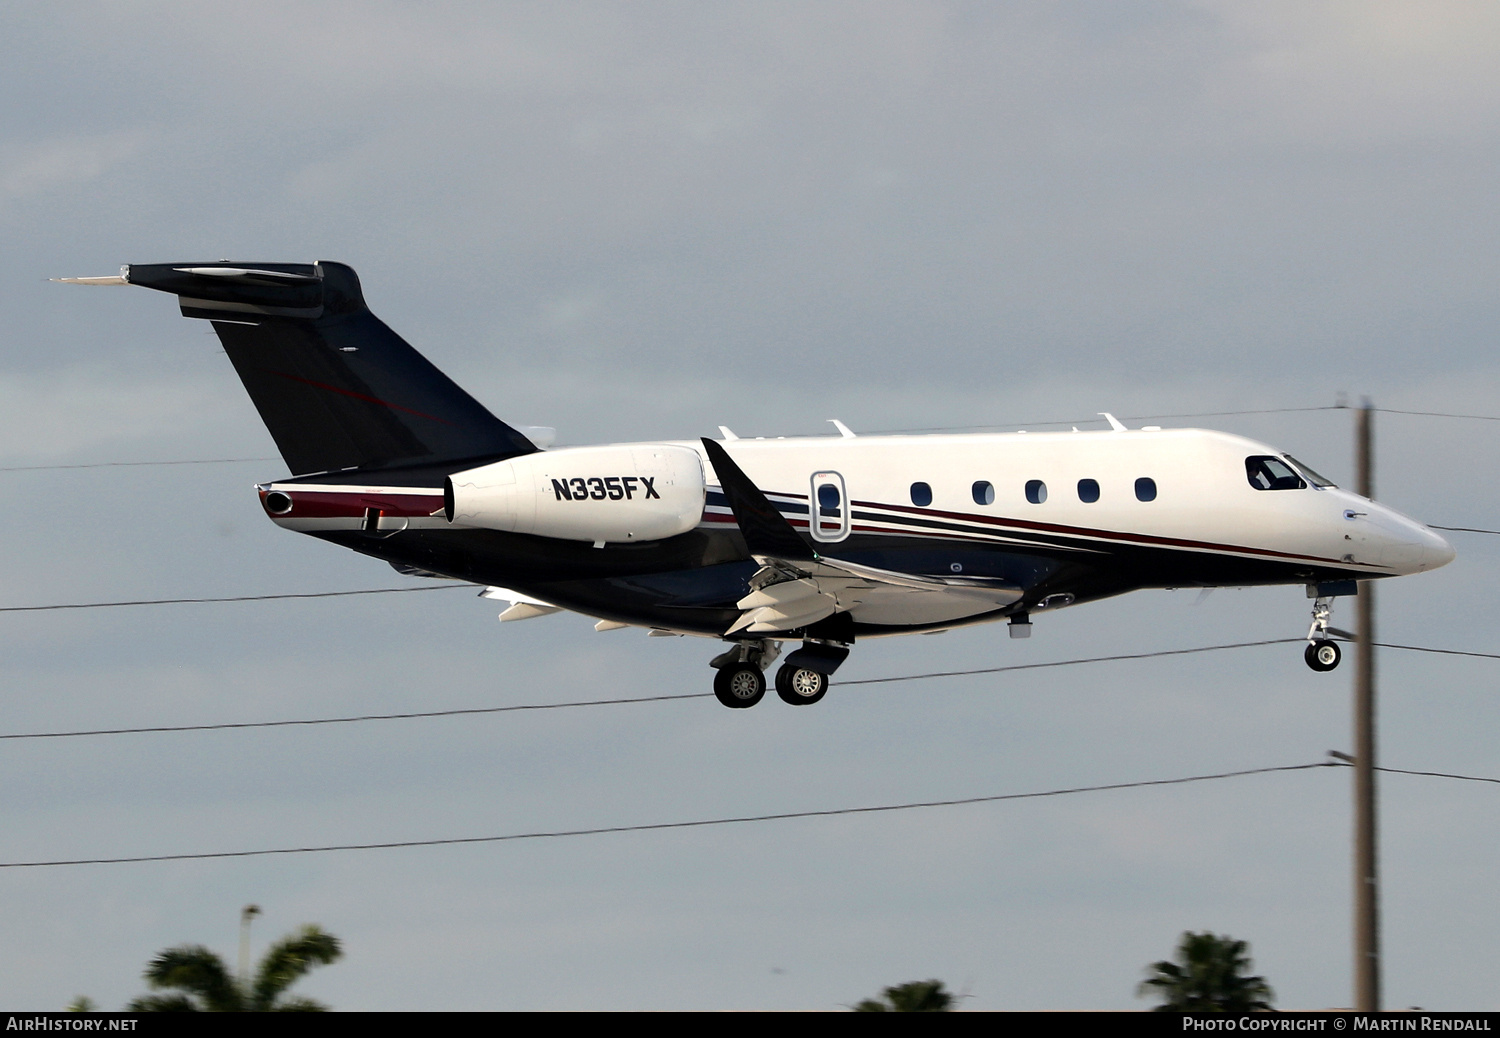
1366 878
247 913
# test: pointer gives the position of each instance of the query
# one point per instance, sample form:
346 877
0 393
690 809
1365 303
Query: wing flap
522 607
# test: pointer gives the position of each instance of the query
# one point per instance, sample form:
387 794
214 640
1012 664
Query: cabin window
984 493
1036 491
828 498
921 495
1145 489
1268 473
1088 491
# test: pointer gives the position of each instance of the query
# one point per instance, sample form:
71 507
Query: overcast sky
643 221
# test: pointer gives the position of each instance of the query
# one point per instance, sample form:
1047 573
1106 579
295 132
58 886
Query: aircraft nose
1436 551
1403 543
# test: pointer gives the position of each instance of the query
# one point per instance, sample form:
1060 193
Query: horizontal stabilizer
107 279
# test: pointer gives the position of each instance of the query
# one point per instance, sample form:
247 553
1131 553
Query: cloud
34 168
63 413
1359 72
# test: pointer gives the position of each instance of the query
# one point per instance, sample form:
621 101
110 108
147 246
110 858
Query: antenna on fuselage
1114 423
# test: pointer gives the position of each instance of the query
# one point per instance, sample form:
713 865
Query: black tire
1323 655
800 686
739 686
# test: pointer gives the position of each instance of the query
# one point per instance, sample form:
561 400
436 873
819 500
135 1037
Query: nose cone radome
1403 544
1436 551
1411 547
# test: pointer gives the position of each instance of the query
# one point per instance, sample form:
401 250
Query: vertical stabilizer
335 386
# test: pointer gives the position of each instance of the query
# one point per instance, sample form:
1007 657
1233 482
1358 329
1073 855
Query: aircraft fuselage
1064 517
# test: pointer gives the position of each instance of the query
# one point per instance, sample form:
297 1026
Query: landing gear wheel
1323 655
800 686
739 685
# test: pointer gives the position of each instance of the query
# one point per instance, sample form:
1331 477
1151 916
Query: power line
1149 655
607 702
1208 414
1221 414
230 598
656 826
1465 529
360 717
130 464
1443 652
623 701
1437 774
733 820
950 428
1440 414
1065 663
1128 418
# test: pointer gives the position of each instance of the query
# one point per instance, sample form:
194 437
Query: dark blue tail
336 388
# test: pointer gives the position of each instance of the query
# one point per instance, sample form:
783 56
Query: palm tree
919 996
1208 978
204 983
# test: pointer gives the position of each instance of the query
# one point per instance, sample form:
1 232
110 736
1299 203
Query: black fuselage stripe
936 519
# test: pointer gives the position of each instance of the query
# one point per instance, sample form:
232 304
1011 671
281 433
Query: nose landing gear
1322 652
1322 655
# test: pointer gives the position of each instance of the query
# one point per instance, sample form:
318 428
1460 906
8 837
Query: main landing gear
1322 652
800 686
801 681
741 680
740 685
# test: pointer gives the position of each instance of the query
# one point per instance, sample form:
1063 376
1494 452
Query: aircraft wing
797 586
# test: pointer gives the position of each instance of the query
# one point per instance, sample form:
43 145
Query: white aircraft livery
819 541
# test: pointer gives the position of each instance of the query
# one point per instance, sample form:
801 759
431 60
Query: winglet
765 529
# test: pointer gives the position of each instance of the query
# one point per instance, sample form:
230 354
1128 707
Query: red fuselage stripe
313 504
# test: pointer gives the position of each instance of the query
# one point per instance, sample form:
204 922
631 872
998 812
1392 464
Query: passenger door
828 508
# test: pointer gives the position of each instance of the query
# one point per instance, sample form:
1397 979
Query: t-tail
335 386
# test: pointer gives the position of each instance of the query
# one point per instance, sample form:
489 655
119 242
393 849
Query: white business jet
816 541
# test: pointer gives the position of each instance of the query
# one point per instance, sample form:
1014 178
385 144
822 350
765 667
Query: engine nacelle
643 492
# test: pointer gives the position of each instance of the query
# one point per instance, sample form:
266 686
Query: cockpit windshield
1308 474
1269 473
